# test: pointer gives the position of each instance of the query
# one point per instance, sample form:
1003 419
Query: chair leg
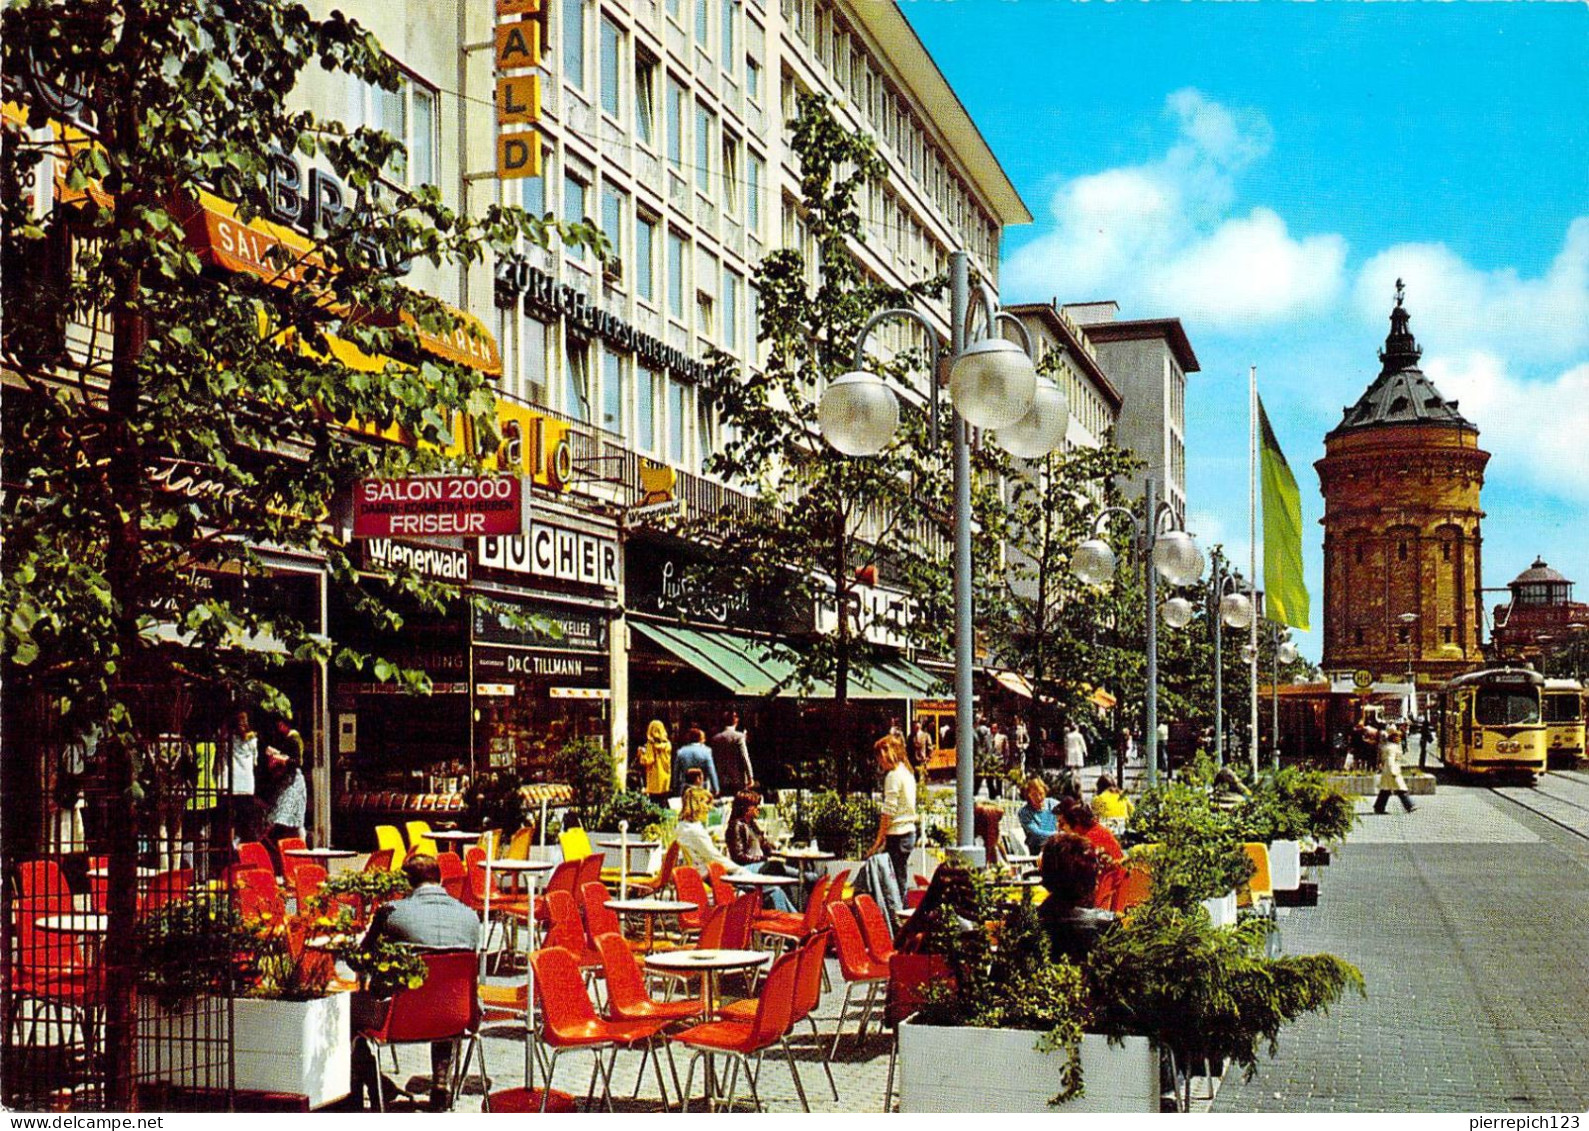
673 1067
822 1047
590 1092
844 1009
656 1065
640 1076
866 1013
689 1082
800 1088
750 1079
606 1074
546 1092
733 1083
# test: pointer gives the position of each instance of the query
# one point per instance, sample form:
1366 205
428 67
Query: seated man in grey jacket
430 919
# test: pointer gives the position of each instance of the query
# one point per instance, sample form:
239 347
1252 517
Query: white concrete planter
1285 864
984 1070
1222 910
294 1047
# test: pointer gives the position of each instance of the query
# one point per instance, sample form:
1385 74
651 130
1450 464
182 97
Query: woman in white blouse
896 830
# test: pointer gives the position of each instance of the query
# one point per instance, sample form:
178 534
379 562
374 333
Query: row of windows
1448 635
845 57
408 114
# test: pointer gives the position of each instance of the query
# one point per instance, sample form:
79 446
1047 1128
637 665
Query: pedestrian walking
896 828
920 745
1390 779
1023 742
695 755
1426 737
731 755
1075 749
241 744
656 759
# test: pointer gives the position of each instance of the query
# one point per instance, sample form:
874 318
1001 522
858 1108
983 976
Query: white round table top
80 924
517 865
684 960
650 906
1020 859
1020 882
614 842
104 873
322 853
757 880
459 835
805 854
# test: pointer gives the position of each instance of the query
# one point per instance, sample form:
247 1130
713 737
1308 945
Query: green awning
753 667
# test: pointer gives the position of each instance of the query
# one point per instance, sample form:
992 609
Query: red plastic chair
589 873
290 864
306 880
722 891
169 887
909 975
252 854
567 930
569 1021
380 861
711 937
445 1008
1109 880
564 878
786 926
43 880
740 921
874 928
836 892
689 887
715 871
808 996
1134 888
599 918
49 969
452 876
255 892
627 998
740 1040
858 967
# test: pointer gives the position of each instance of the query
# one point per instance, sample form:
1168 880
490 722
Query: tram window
1499 706
1562 708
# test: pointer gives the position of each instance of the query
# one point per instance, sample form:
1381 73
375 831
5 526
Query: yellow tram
1564 721
1492 723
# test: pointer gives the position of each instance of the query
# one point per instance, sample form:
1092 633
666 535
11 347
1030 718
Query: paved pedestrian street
1467 919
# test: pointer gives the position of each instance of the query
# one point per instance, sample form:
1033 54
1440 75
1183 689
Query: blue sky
1265 171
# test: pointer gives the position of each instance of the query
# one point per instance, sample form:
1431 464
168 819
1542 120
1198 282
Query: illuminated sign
516 49
438 505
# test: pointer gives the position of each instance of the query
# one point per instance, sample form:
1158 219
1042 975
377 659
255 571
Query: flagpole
1252 526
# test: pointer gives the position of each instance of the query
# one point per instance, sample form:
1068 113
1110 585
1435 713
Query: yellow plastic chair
1259 886
489 842
419 838
575 844
519 846
387 836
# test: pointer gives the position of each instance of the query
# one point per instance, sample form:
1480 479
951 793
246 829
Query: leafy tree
822 518
231 383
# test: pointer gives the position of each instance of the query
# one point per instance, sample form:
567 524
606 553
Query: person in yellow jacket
656 758
1109 804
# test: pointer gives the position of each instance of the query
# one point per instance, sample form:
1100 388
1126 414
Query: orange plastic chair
808 996
44 880
444 1008
858 968
627 999
740 921
689 887
661 878
568 930
169 887
798 926
380 861
1109 880
253 854
50 970
589 873
874 928
836 891
569 1021
255 892
740 1040
722 891
452 875
290 864
306 880
712 928
1135 886
599 918
565 878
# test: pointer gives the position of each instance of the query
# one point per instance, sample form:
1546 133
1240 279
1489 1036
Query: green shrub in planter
843 826
1199 855
194 947
1293 804
645 817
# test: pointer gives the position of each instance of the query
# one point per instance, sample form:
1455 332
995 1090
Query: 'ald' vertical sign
517 51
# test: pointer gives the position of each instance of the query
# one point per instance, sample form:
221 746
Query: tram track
1567 809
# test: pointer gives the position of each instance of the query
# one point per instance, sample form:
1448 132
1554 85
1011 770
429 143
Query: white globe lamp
1235 610
1248 653
993 383
1093 563
858 413
1042 429
1176 557
1177 612
1287 653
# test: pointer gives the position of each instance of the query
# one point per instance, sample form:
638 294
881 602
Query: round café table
322 854
88 926
801 857
651 909
144 872
709 964
457 837
1019 859
627 847
757 880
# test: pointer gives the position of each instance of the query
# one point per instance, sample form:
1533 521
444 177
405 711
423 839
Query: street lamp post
1233 609
992 384
1172 553
1410 619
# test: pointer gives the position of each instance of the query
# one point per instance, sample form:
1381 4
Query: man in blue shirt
1037 816
694 755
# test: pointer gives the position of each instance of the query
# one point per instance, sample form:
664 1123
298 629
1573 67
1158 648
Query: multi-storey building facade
1147 360
1095 403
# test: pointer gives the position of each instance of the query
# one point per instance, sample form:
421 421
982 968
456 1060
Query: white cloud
1536 431
1458 307
1162 239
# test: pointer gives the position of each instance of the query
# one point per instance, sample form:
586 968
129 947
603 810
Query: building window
1401 551
730 174
611 53
612 210
703 22
1403 634
574 43
645 98
408 114
575 209
705 429
532 360
728 33
678 416
705 127
1447 634
1357 637
730 309
532 190
1445 551
675 123
576 378
676 10
648 397
676 275
645 238
753 178
752 78
1357 554
705 314
613 393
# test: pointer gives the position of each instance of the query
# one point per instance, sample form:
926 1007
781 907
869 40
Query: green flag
1285 590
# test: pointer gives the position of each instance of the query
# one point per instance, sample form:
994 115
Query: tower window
1445 551
1357 554
1357 636
1447 634
1402 634
1401 551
